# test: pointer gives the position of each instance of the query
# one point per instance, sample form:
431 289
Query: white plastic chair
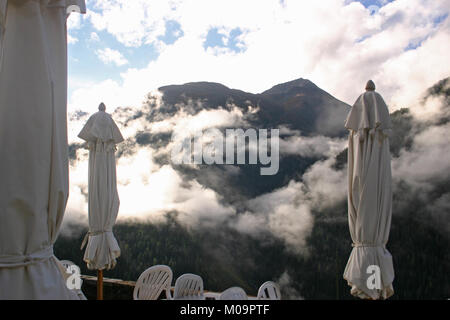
233 293
269 290
152 282
189 287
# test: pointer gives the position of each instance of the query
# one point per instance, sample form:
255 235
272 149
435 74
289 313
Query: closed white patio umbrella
102 135
33 143
369 270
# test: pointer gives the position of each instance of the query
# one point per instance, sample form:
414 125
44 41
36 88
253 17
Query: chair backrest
233 293
269 290
188 287
152 282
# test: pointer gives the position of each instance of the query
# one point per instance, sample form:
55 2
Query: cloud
433 108
133 23
87 96
285 40
287 213
283 213
109 55
326 186
422 165
94 37
317 146
183 123
71 40
288 292
199 207
425 164
147 190
421 171
73 24
402 84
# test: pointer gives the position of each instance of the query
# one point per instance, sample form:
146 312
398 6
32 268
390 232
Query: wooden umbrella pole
99 284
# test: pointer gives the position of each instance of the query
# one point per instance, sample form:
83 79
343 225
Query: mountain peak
286 87
201 85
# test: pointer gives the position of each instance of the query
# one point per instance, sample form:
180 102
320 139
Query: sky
120 50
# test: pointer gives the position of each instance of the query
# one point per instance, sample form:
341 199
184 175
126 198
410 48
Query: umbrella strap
92 233
369 245
102 146
16 261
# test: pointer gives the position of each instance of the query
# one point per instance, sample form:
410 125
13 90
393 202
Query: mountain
298 108
305 107
298 104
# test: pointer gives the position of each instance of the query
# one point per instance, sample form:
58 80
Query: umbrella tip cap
370 85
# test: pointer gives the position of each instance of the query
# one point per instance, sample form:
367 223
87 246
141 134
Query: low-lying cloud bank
150 186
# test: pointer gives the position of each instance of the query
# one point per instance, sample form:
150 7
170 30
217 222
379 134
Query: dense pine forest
225 258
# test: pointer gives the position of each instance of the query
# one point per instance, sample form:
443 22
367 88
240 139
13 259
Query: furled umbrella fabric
102 135
369 270
33 141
